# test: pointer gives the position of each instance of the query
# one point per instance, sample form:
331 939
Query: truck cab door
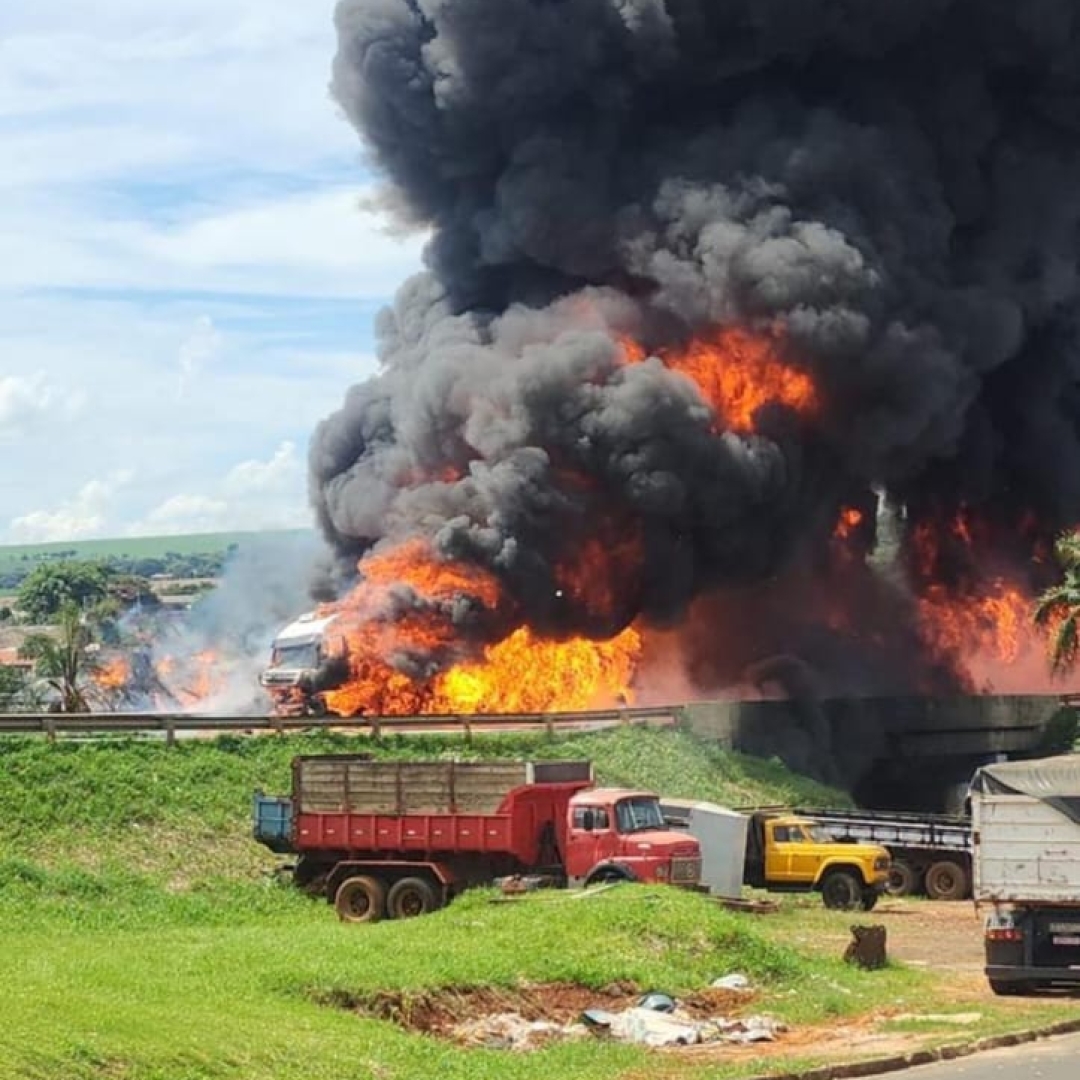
778 852
590 838
804 857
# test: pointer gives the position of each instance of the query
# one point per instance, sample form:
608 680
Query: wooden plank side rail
170 725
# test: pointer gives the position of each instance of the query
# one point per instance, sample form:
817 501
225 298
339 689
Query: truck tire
869 899
608 875
409 897
902 880
1010 987
841 890
360 899
946 880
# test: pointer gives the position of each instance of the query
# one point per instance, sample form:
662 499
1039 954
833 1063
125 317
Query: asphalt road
1057 1058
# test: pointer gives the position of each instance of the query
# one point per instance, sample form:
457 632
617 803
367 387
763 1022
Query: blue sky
187 277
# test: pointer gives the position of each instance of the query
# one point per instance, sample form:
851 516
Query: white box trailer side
1027 851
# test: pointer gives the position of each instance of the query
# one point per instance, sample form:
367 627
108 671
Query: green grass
256 984
14 556
146 938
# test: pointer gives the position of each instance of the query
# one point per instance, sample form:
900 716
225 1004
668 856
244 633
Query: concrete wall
890 750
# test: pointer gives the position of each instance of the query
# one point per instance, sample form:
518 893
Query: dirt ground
940 935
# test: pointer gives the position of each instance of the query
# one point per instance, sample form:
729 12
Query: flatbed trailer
931 853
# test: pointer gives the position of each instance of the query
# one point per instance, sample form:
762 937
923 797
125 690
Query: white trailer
1026 859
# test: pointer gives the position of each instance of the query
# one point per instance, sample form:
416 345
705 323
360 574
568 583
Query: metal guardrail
170 725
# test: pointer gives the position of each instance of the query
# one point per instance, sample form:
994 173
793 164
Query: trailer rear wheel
841 889
946 880
360 899
902 879
410 897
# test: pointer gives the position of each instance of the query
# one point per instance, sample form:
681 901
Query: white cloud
81 517
254 494
181 209
280 474
184 514
22 398
319 243
197 350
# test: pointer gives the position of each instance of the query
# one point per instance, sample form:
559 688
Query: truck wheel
902 879
1010 987
841 890
946 880
869 900
409 897
607 875
360 899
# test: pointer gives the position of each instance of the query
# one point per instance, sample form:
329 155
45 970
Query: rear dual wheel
946 880
360 899
902 880
410 897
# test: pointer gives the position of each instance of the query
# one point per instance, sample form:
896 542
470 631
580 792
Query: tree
49 587
1057 610
11 685
62 660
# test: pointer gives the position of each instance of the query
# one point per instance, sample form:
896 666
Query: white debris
654 1028
511 1031
734 981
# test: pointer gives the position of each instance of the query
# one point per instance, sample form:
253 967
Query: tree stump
867 947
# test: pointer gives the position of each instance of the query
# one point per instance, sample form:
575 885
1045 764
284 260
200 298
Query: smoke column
888 193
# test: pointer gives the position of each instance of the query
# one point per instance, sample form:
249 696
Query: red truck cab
619 834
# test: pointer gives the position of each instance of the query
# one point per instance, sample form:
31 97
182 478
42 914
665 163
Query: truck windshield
295 656
819 834
634 815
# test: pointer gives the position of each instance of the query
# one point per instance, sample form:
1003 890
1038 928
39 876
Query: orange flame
737 373
995 624
848 521
522 672
112 674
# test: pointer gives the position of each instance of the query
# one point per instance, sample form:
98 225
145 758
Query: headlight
881 863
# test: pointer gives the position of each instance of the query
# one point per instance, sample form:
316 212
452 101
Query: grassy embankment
144 938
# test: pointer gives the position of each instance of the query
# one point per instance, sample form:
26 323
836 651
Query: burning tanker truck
748 341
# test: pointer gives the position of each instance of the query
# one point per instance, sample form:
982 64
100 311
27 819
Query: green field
14 556
146 938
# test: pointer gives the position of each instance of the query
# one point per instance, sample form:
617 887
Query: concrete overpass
891 752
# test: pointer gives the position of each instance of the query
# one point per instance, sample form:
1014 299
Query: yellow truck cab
789 853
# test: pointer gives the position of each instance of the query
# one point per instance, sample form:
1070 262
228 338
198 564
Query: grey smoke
893 187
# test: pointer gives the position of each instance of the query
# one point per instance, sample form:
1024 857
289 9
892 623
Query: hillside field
14 556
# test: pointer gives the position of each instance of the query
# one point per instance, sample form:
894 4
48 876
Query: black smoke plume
889 190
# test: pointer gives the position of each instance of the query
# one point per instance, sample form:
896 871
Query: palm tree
1057 609
63 659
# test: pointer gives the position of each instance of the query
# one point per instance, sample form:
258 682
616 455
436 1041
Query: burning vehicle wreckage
745 357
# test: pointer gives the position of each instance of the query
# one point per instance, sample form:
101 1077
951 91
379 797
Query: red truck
402 838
